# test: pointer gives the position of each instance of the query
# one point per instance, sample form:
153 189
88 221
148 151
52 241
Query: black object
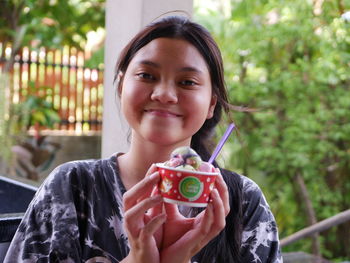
15 197
8 227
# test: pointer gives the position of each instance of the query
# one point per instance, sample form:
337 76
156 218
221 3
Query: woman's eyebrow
156 65
149 63
191 69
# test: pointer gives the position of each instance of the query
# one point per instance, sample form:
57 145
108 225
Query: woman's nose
164 93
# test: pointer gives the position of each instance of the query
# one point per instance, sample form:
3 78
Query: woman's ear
212 105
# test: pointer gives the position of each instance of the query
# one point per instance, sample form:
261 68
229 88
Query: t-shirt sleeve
49 229
260 242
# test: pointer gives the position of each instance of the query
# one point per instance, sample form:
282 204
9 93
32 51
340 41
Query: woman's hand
184 237
143 219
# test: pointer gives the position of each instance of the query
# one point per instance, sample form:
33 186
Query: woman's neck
142 154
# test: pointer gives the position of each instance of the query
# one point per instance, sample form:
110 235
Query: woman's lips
162 113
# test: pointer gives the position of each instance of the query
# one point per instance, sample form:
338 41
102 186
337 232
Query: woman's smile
162 113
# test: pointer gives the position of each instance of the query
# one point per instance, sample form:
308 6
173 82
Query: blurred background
287 68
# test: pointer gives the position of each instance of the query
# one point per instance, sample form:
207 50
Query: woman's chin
163 135
161 139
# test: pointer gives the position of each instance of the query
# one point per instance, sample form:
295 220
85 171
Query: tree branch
310 212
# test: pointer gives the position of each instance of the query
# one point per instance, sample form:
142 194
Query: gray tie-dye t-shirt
77 215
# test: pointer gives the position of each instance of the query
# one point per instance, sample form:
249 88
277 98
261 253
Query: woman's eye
145 76
187 83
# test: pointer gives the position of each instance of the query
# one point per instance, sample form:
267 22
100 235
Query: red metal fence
75 91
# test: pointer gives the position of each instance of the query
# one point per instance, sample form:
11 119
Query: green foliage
36 110
96 60
17 118
288 66
50 23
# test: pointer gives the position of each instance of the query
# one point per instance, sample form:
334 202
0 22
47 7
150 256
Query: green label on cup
191 188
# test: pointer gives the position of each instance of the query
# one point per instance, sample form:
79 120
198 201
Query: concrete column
123 20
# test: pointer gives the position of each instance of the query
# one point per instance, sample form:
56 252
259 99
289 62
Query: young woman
172 91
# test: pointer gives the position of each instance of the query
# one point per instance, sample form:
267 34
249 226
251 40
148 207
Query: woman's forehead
170 50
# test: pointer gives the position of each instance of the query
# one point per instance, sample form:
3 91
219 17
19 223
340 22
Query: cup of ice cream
186 179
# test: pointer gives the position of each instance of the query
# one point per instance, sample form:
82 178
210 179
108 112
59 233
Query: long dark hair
225 247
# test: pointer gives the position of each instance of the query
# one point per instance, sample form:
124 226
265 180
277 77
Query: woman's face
166 92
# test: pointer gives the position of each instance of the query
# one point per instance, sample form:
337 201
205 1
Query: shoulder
68 182
251 198
69 205
83 167
260 240
250 192
82 170
254 202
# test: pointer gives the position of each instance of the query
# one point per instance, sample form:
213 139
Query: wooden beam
318 227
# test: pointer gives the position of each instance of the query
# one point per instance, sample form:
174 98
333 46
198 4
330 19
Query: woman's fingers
144 228
171 209
140 191
223 191
196 232
157 209
213 218
134 217
151 170
219 211
207 220
139 209
192 238
211 222
152 226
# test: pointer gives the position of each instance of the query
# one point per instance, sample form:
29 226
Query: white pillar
123 20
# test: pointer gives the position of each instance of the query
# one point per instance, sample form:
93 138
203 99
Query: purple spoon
222 142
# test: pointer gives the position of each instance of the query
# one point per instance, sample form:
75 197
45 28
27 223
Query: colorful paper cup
185 187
